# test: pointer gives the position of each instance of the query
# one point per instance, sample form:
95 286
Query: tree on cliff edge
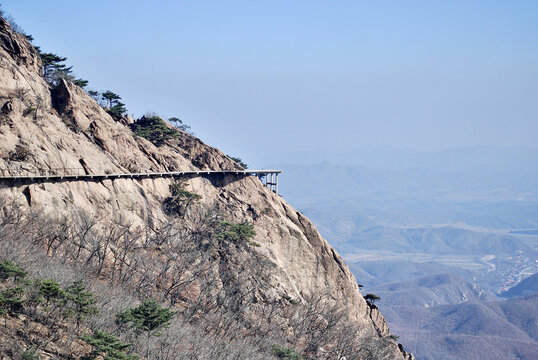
116 108
53 67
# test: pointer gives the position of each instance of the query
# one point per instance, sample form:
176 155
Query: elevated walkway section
268 177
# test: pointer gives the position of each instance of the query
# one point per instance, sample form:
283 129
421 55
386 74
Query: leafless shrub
34 105
11 21
19 93
20 153
37 107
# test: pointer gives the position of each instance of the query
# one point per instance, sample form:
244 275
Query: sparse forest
166 294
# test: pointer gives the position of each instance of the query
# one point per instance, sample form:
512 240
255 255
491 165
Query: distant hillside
400 270
429 291
439 240
527 286
492 330
398 159
492 261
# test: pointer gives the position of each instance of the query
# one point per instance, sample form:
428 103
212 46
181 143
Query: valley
439 243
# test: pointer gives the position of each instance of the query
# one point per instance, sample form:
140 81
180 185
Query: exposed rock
7 107
16 47
406 355
379 321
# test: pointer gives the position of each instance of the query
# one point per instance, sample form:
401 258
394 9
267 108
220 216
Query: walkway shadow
221 180
217 180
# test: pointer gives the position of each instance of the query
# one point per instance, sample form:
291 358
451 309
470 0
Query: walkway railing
12 173
74 174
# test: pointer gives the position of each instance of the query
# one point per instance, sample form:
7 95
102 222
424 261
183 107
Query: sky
267 80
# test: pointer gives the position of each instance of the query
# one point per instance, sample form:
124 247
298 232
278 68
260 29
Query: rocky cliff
50 129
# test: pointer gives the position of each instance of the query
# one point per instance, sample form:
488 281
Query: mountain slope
49 130
444 311
527 286
470 330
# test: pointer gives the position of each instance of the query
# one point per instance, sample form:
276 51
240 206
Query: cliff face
43 129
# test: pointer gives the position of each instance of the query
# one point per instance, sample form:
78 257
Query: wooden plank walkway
78 174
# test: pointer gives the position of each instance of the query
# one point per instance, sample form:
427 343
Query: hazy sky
264 79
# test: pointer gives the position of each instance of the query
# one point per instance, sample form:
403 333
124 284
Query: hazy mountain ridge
428 291
476 254
403 216
429 195
392 270
447 160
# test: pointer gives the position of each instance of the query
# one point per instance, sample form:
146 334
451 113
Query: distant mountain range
436 236
493 197
397 159
466 221
471 330
444 310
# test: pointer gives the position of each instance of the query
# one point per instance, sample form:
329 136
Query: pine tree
371 298
116 108
52 291
11 299
107 346
111 97
81 301
239 162
180 199
285 353
81 83
9 269
179 124
94 94
53 67
147 317
235 232
154 129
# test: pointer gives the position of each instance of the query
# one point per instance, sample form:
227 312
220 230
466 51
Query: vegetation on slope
154 129
201 295
180 199
54 312
239 162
